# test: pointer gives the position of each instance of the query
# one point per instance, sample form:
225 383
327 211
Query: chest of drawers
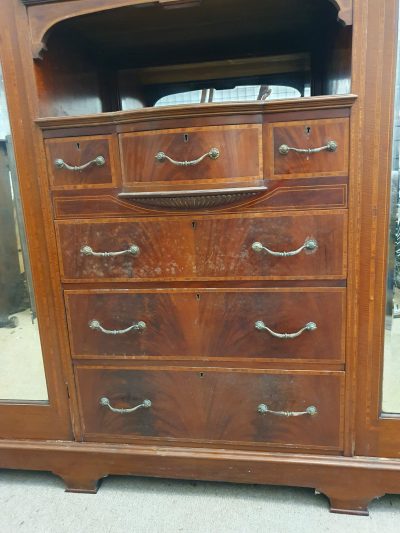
220 319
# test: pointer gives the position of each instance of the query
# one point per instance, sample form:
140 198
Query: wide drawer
278 408
201 155
295 246
82 162
307 148
304 324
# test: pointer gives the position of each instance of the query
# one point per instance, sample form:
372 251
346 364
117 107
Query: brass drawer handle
264 409
88 250
310 326
331 146
212 154
99 161
310 245
138 326
105 402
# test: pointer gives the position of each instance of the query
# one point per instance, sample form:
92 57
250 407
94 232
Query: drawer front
212 406
82 162
203 323
224 247
288 144
237 153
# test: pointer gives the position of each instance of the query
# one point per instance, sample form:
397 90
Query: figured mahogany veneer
210 405
209 247
239 146
281 195
78 151
307 134
192 323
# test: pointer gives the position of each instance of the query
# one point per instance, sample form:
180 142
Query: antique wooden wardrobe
209 277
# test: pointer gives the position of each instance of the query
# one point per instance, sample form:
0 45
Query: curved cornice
44 14
345 11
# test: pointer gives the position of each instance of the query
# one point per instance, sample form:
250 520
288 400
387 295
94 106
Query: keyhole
78 146
198 297
201 374
185 138
194 223
308 130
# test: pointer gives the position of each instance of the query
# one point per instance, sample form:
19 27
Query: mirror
22 375
240 93
391 373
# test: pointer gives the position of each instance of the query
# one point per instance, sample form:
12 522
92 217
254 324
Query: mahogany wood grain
199 405
79 151
200 323
212 114
320 193
240 156
209 247
224 245
307 135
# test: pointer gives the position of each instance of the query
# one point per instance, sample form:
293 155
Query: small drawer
192 156
82 162
295 246
311 148
256 408
283 324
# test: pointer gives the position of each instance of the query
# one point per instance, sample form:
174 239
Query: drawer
212 405
82 162
220 247
156 156
209 323
286 149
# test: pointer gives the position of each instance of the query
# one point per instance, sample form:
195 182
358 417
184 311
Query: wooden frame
49 420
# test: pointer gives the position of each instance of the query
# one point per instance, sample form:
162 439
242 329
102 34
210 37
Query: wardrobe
206 194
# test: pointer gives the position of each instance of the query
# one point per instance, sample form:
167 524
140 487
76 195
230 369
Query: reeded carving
204 201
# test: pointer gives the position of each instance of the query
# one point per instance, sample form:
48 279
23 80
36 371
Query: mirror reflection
21 364
391 377
240 93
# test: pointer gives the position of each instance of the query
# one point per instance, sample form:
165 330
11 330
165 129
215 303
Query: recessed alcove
136 56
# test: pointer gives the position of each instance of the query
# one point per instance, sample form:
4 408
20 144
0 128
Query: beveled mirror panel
22 376
391 377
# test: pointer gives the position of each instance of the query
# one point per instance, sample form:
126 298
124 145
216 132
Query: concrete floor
32 502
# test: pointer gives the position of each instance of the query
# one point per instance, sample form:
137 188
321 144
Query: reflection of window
244 93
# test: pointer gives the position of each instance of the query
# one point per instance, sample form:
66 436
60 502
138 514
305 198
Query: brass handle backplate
310 326
331 146
310 245
264 409
214 153
88 250
105 402
99 161
138 326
